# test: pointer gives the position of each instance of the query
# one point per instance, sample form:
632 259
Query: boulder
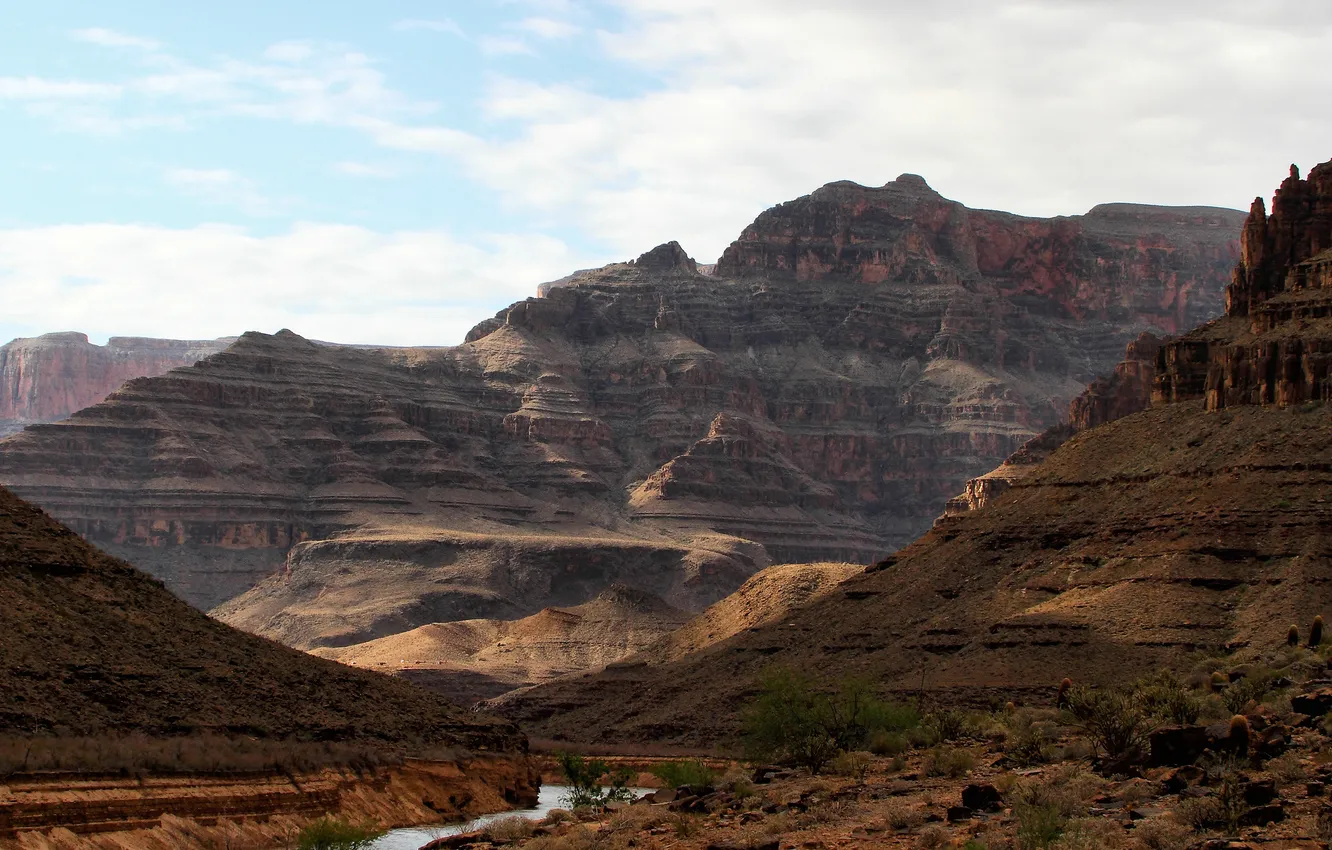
982 797
1173 746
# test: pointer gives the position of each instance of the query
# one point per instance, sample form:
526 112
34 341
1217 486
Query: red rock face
853 359
49 377
1274 345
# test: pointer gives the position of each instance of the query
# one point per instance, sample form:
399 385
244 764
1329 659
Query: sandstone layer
46 378
247 811
1199 525
472 660
851 361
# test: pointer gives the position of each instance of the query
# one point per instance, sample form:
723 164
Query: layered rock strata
1200 525
1274 345
853 359
46 378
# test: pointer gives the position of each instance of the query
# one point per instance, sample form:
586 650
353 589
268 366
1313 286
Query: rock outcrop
1125 391
1274 345
1200 525
46 378
855 357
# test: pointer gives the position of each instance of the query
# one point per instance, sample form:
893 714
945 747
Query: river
552 797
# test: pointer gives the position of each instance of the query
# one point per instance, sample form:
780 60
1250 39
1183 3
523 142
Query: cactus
1010 707
1293 636
1220 681
1238 738
1061 699
1316 632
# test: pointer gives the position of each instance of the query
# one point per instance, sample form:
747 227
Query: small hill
92 646
470 660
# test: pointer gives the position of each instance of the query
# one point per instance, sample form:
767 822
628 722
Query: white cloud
440 25
289 51
224 187
549 27
1040 106
504 45
111 38
332 282
365 169
38 88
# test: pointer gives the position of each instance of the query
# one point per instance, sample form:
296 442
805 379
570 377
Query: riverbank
249 811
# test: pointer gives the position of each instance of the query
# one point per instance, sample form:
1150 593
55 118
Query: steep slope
46 378
470 660
93 646
1201 525
857 355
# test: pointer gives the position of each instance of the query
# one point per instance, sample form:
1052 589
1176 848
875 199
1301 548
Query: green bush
1164 696
584 778
673 774
854 765
1110 717
792 720
1039 825
329 833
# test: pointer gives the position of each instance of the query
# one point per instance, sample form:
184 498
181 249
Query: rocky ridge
92 647
1199 525
855 357
46 378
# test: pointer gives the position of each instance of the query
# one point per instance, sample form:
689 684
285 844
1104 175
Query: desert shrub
738 782
1110 717
1288 769
512 828
933 837
584 778
1039 825
1091 834
899 815
794 721
685 772
330 833
1197 812
946 725
885 743
1162 834
578 838
952 762
854 765
1164 696
1251 688
558 816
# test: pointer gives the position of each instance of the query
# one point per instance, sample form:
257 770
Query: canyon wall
851 361
1196 527
46 378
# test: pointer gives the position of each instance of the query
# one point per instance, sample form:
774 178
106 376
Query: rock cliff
851 361
46 378
1274 345
1199 525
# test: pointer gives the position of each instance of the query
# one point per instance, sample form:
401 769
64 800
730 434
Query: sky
394 172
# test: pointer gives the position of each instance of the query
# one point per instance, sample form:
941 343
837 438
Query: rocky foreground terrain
851 361
47 378
1200 525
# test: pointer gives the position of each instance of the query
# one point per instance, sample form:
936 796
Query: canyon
847 365
1195 527
46 378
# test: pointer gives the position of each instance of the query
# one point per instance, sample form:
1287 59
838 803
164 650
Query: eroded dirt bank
252 810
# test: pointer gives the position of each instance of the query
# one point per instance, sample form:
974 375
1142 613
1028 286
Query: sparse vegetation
792 720
584 778
1111 717
694 772
330 833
